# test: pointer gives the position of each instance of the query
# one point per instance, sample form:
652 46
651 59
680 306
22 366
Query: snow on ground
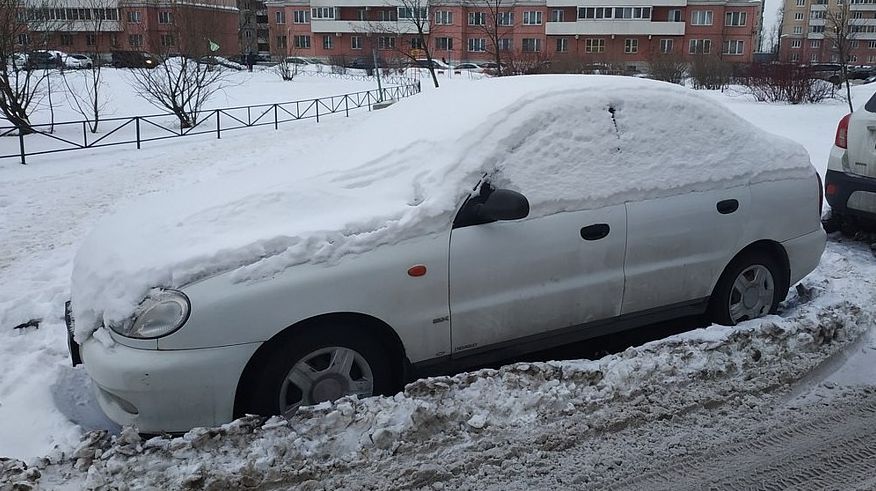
483 429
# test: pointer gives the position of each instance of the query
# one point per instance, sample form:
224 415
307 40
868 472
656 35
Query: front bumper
166 391
851 194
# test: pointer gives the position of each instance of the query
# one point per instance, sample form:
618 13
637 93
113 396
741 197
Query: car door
513 279
677 246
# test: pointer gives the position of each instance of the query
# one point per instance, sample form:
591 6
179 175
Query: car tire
270 387
750 287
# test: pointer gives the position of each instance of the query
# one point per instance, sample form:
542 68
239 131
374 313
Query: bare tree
669 67
24 27
495 19
412 26
187 76
841 32
85 87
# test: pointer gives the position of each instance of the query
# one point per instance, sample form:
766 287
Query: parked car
41 60
133 59
850 181
296 60
467 66
831 72
525 213
365 63
18 60
423 63
76 60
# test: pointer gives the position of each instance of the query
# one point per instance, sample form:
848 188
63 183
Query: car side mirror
504 204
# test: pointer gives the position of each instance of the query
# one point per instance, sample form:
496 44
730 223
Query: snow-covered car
524 213
467 66
850 180
78 61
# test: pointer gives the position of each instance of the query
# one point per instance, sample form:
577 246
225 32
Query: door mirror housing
503 204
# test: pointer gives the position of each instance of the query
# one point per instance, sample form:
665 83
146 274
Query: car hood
410 168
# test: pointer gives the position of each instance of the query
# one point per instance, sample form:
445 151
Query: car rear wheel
315 364
749 288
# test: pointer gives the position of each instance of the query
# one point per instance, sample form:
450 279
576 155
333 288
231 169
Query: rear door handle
595 232
727 206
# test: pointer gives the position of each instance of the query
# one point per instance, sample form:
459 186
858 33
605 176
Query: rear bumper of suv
850 194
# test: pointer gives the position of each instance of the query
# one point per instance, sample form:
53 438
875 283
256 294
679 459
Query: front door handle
727 206
595 232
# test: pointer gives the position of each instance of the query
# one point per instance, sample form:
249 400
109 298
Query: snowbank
406 173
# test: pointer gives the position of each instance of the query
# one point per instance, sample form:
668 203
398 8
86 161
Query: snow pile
607 134
654 381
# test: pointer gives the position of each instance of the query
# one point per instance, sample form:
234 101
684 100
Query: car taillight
820 194
842 132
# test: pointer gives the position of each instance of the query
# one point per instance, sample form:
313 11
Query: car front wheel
313 365
749 288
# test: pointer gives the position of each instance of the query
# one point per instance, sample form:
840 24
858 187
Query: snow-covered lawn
47 208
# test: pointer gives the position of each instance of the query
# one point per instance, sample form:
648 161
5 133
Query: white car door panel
517 278
677 246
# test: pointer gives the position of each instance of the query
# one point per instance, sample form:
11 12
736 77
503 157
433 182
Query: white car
524 213
78 61
468 66
850 181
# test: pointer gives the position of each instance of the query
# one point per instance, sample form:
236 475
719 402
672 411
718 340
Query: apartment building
806 33
155 26
255 37
611 31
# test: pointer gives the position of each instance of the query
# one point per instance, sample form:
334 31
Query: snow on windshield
566 142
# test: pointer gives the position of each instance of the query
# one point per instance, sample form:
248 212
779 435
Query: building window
532 18
167 40
816 29
280 17
134 16
531 45
857 15
735 19
165 17
813 58
675 16
733 47
417 43
870 59
247 34
562 45
631 46
328 42
795 57
476 45
281 42
418 13
477 18
817 14
505 18
388 15
386 42
66 39
816 43
801 3
594 45
666 46
444 44
23 39
557 15
114 40
299 16
700 46
797 43
639 13
361 14
870 44
798 15
854 44
595 12
798 30
301 42
356 42
90 40
701 18
323 13
444 17
853 59
505 44
135 40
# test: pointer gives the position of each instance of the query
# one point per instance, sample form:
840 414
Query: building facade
626 32
806 31
255 36
154 26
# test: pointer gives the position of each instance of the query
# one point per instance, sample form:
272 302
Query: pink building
625 32
805 34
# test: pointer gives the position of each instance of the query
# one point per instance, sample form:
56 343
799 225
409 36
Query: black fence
137 130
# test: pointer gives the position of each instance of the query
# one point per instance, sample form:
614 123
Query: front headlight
159 314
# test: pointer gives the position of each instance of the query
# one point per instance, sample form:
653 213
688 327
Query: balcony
82 26
619 27
615 3
358 3
363 26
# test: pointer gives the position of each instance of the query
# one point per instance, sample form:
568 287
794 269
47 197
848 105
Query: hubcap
325 375
752 294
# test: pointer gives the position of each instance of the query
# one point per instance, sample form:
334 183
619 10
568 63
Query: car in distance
525 213
133 59
468 66
76 60
296 60
43 60
850 180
